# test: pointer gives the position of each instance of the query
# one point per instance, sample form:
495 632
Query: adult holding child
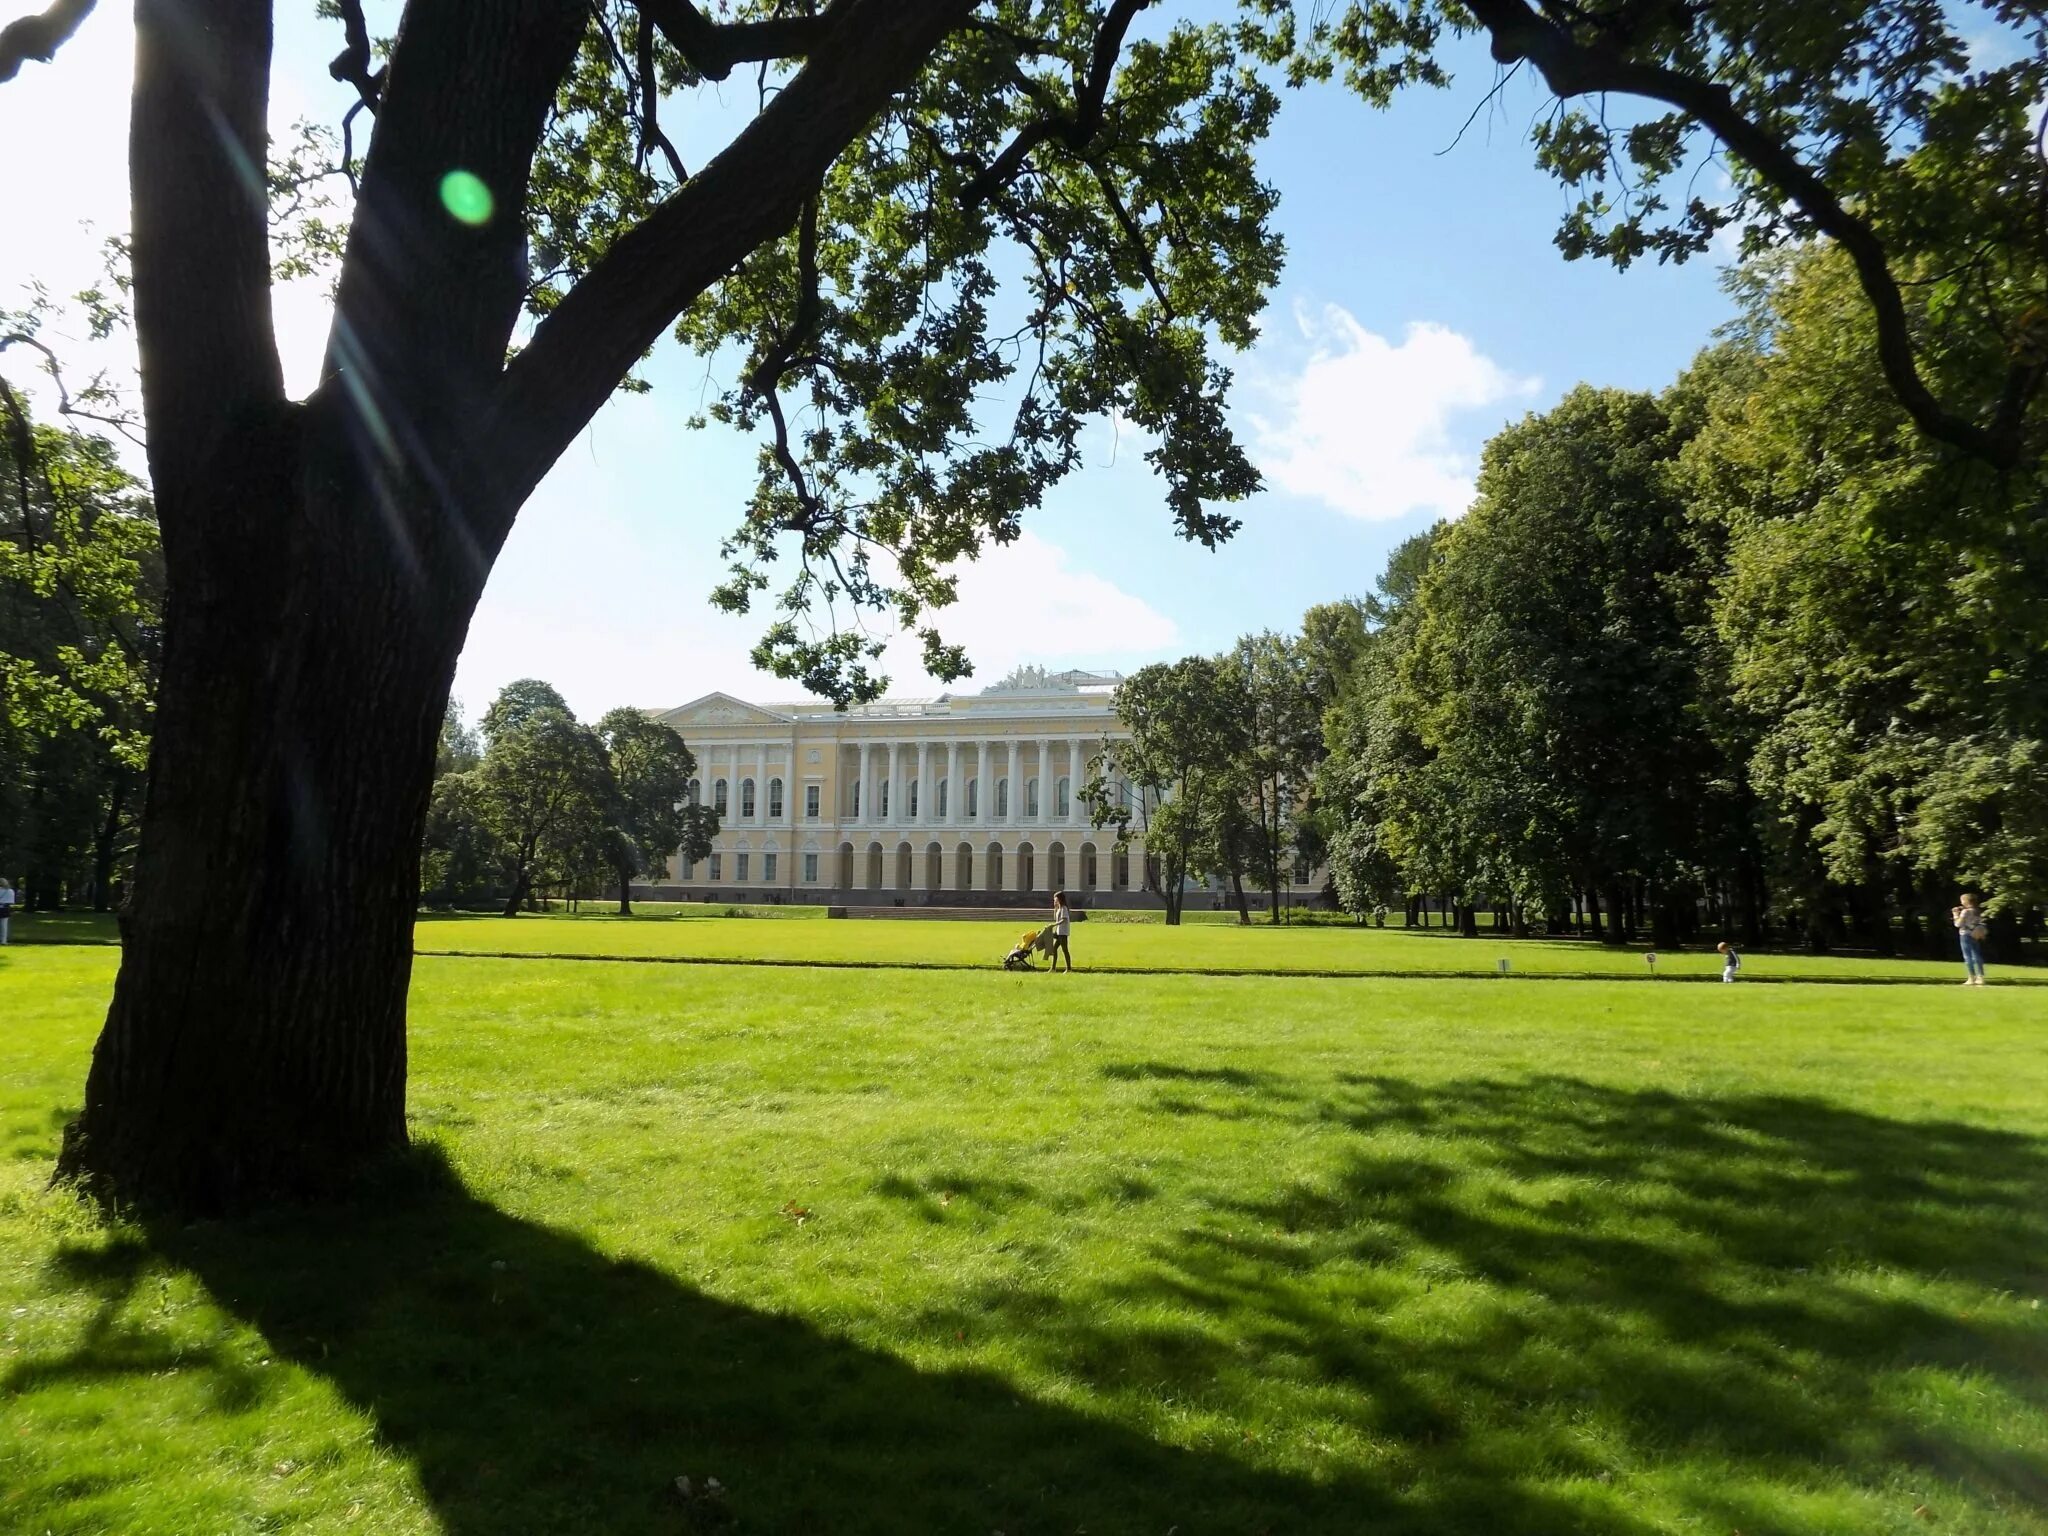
1971 931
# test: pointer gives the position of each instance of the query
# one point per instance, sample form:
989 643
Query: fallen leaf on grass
797 1213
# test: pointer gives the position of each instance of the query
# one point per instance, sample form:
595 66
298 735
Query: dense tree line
1750 657
532 800
81 583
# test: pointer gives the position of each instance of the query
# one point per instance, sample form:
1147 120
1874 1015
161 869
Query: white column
953 784
1009 811
895 785
1074 816
924 784
1045 781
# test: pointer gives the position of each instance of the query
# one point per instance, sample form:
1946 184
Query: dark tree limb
352 65
713 48
1072 129
201 249
39 36
1574 68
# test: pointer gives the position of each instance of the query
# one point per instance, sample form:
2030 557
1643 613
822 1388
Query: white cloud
1029 602
1366 425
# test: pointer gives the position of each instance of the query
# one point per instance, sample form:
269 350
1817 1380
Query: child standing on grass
1731 960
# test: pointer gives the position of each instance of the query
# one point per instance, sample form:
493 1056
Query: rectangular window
811 799
768 867
717 870
689 869
742 875
810 869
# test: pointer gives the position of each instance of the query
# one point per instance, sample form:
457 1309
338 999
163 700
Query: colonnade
964 782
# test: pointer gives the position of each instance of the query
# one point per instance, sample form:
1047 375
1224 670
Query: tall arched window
854 809
1002 797
775 799
694 795
718 796
942 799
912 800
882 801
973 798
1031 797
1061 806
747 799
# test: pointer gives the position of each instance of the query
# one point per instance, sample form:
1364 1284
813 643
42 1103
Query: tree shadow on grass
1778 1287
539 1385
1531 1307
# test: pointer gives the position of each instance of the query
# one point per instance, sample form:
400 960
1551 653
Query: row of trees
534 800
81 604
1749 656
1221 755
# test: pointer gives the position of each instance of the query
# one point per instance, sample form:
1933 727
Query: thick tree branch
713 49
746 196
41 35
431 288
1073 129
352 65
197 143
1573 68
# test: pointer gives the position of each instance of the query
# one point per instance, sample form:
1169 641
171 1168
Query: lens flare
466 198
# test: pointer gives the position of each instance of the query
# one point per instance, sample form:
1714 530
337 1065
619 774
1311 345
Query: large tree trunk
256 1042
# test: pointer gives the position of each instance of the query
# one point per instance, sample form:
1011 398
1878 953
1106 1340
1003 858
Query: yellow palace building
960 800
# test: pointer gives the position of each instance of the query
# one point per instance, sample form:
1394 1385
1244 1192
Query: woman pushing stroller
1062 925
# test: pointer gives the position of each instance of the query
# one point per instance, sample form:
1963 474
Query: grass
801 936
934 1252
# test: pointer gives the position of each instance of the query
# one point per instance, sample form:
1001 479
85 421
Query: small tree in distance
651 817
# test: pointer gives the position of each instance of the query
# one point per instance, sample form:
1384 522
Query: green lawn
1132 947
890 1251
803 936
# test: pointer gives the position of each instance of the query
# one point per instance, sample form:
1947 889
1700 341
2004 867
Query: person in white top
7 908
1971 931
1062 925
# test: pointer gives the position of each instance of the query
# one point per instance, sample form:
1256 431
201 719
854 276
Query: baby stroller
1038 941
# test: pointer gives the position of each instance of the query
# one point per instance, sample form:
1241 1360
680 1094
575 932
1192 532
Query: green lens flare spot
466 198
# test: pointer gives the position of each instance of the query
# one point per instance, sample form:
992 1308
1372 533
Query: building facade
962 800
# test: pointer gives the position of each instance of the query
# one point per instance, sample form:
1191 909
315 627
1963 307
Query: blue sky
1422 306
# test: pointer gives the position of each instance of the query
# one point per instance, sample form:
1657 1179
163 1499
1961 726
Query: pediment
720 709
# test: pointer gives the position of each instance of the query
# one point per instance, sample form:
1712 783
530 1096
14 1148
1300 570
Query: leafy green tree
542 792
1370 748
952 234
1279 718
1554 674
1184 756
652 818
80 641
1894 682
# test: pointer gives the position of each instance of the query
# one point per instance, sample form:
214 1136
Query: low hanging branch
39 36
1574 68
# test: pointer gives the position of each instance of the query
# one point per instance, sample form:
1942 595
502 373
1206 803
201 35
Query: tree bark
255 1048
625 893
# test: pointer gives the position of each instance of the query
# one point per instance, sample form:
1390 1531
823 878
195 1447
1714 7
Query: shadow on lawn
1609 1283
